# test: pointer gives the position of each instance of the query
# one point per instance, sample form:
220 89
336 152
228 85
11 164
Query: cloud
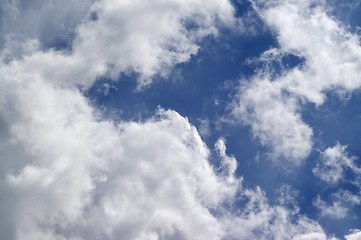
354 235
52 23
70 174
228 164
259 220
274 120
341 204
148 38
334 161
271 101
87 175
86 178
332 168
81 177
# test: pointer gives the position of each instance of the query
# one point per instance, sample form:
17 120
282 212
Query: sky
180 119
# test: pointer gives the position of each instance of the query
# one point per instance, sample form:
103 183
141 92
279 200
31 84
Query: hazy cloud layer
51 22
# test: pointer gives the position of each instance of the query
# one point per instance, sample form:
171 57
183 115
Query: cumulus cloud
146 37
86 178
73 175
150 36
69 174
274 120
271 102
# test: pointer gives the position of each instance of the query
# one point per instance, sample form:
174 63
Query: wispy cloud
333 164
332 168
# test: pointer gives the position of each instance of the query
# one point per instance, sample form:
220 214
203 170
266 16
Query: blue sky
208 119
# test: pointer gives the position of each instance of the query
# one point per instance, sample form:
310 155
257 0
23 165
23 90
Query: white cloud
51 22
259 220
274 120
135 179
271 102
77 176
81 177
228 165
340 207
147 37
354 235
334 161
72 175
88 179
332 168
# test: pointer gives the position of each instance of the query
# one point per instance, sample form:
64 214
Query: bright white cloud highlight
354 235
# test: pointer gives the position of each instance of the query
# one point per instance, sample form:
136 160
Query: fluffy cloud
271 101
354 235
72 175
69 174
149 36
274 120
86 178
146 37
